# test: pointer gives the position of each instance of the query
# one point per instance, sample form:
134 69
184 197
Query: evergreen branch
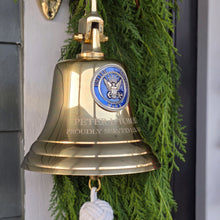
139 33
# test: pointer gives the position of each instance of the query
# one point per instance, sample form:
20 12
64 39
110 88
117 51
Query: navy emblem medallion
110 87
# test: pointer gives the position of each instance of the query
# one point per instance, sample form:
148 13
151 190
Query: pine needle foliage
140 36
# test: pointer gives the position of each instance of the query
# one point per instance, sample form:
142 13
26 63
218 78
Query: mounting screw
78 37
104 39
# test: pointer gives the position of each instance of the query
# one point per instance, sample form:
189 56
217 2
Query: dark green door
186 42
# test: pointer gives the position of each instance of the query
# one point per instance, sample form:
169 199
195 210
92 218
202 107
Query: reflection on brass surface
94 142
81 137
91 166
49 8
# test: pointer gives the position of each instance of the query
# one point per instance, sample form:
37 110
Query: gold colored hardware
91 34
104 39
78 37
93 6
49 8
95 179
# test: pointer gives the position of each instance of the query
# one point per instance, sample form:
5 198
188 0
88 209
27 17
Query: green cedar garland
139 34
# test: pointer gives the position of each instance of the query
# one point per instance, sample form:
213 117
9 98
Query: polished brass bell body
84 135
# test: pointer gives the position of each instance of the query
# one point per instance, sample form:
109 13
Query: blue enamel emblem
110 87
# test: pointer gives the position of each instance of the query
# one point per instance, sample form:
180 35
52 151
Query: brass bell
90 130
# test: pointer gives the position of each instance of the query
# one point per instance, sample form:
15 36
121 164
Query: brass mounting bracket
49 8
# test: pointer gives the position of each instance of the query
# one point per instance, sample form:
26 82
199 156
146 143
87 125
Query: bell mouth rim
93 172
48 160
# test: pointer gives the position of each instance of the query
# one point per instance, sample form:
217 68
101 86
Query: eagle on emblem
113 88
